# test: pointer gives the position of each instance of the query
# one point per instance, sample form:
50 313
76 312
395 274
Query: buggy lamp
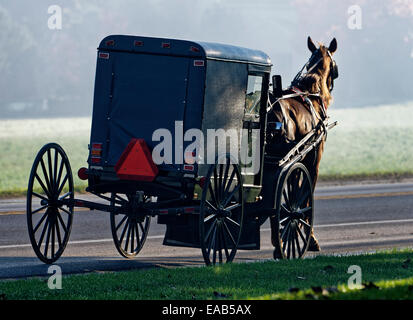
190 157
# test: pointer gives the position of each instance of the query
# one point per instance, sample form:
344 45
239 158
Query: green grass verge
368 143
322 277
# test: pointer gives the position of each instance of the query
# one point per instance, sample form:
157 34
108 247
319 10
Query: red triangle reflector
136 162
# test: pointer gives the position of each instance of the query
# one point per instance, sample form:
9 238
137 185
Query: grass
386 275
373 142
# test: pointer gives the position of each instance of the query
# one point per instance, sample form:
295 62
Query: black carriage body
145 84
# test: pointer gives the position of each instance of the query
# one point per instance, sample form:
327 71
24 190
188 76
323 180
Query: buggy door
252 143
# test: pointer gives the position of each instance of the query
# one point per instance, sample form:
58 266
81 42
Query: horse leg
314 245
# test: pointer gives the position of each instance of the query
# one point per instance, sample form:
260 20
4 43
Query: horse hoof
313 245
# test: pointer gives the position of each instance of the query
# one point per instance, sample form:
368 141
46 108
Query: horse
295 112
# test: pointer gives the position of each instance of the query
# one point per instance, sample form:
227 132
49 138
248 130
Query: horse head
321 69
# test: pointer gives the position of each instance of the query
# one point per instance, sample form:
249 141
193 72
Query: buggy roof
174 47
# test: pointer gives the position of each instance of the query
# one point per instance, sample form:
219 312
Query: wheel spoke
121 222
284 211
303 193
216 191
227 165
46 225
132 238
123 232
233 222
211 216
305 223
210 230
224 242
46 177
142 228
288 243
40 221
59 176
39 209
43 186
63 183
59 237
302 236
66 211
212 240
297 243
138 239
286 199
65 195
304 210
303 198
234 206
221 169
46 248
49 162
56 153
210 205
214 256
59 217
127 236
229 183
284 220
212 194
230 234
228 199
39 196
53 239
284 234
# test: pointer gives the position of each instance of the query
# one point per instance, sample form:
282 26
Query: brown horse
296 113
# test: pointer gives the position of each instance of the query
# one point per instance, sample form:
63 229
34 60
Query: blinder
333 70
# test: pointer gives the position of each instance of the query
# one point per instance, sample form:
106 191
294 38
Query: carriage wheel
49 222
293 222
221 213
129 231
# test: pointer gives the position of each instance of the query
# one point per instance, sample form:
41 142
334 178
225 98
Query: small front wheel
129 231
49 221
293 223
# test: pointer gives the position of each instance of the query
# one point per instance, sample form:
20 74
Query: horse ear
311 45
333 46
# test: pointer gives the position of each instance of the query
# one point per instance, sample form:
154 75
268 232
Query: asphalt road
352 218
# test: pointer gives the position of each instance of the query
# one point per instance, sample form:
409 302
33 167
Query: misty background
47 73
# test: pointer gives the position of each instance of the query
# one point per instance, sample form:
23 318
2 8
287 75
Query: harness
305 95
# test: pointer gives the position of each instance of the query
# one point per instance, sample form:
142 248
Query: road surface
348 219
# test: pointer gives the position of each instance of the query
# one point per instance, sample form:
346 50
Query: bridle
310 65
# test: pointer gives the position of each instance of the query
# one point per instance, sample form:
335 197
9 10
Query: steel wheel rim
220 231
295 213
129 232
49 223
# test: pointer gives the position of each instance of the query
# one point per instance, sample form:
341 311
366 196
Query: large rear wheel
221 213
49 221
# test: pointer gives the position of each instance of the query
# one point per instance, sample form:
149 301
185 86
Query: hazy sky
39 64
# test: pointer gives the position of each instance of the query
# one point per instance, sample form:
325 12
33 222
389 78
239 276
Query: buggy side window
253 95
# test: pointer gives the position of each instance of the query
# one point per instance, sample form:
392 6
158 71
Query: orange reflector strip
95 152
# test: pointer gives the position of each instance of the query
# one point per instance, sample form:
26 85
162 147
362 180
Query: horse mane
316 80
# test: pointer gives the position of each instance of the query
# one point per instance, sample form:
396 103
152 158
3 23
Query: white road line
262 230
73 242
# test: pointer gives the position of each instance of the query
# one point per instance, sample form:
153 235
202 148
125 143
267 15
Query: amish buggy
152 94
